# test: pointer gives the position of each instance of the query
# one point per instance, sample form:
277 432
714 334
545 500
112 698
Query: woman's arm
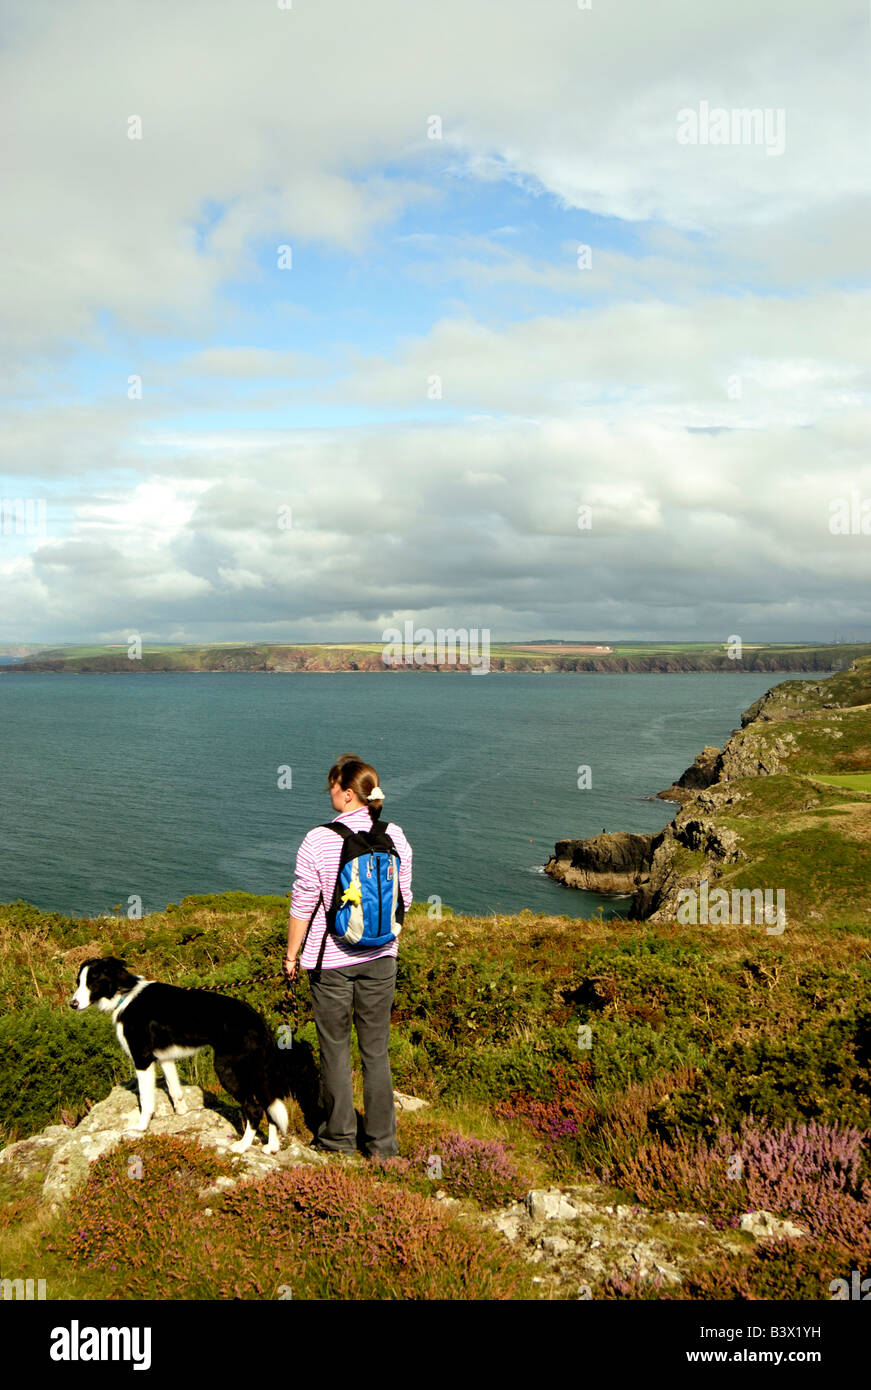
296 930
404 850
304 900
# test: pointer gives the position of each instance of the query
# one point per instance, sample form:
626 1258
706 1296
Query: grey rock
29 1156
615 863
550 1204
765 1226
403 1102
509 1226
556 1245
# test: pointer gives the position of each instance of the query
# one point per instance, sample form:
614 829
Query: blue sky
437 382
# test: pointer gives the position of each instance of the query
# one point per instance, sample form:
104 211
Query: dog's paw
141 1124
271 1148
181 1107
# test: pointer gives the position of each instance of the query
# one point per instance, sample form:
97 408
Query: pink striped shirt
317 866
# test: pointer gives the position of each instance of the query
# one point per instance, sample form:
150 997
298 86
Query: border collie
162 1023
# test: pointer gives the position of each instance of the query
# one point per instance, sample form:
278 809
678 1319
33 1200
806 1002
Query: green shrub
820 1072
53 1061
489 1073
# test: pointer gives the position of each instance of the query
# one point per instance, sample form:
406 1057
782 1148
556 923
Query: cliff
780 807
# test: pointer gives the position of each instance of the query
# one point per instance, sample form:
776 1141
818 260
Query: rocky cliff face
696 845
704 771
693 831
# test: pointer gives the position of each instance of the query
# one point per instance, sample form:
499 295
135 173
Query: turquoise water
165 785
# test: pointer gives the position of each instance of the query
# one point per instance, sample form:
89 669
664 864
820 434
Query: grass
854 781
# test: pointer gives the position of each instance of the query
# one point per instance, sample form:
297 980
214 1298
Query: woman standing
348 981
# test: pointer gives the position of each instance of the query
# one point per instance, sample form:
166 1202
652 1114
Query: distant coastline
512 658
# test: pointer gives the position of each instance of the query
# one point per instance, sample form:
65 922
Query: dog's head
102 981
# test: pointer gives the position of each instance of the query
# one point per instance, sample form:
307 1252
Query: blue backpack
367 908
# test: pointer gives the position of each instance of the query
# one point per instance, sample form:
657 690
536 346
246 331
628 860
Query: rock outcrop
618 863
692 830
64 1155
577 1237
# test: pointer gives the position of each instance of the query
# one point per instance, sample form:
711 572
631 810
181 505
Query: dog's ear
108 975
123 977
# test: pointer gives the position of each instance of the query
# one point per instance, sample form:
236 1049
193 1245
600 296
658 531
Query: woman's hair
352 774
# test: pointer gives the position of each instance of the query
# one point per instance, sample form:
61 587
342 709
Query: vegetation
304 1233
702 1041
718 1069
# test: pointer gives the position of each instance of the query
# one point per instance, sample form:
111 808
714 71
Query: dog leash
289 1004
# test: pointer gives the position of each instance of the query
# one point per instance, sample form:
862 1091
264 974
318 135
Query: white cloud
731 316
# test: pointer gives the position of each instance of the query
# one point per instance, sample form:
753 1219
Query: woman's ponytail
353 774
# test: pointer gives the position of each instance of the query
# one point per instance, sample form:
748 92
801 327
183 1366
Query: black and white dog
162 1023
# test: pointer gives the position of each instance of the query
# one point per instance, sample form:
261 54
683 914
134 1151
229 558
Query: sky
321 317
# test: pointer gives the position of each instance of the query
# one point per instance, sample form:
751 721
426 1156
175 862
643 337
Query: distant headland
548 656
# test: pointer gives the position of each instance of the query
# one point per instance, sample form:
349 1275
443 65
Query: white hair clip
375 795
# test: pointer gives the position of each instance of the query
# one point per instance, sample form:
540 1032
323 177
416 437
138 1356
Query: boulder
403 1102
617 863
763 1225
65 1155
550 1204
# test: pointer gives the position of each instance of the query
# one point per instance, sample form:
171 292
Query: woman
346 980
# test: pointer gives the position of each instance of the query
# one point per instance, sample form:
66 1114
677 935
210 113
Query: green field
855 781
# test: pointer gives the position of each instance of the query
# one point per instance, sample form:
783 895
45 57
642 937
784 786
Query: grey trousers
364 992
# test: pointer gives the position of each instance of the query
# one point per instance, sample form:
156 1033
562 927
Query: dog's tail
277 1113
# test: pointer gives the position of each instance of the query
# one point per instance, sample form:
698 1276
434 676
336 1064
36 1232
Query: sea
134 791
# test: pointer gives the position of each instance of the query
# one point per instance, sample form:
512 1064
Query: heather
483 1170
306 1233
560 1118
812 1173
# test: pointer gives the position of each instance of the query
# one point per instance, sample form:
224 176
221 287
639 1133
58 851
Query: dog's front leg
173 1085
242 1145
146 1081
